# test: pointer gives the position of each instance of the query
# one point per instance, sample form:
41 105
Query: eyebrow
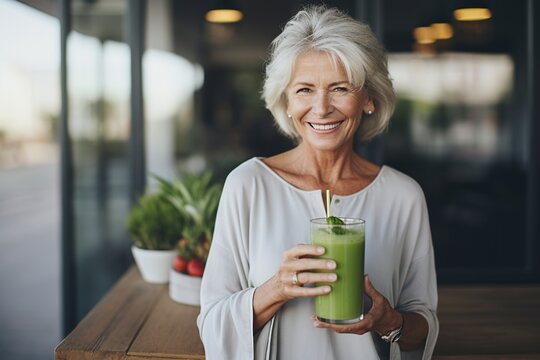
330 85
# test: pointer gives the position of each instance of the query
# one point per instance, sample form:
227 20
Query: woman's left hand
381 318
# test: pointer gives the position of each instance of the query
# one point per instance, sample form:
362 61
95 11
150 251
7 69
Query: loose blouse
260 215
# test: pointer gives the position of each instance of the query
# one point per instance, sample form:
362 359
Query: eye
303 91
341 89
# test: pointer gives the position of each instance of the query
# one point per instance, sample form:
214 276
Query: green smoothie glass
345 244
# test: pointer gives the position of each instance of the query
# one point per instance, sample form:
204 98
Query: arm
225 320
276 291
414 331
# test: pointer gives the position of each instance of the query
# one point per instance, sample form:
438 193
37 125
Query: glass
345 244
98 65
29 177
460 130
171 79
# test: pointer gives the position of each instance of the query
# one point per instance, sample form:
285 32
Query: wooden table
489 322
134 321
137 321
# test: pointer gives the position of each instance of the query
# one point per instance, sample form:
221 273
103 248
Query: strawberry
180 264
195 267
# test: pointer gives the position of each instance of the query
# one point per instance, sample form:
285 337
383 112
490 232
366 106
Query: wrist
274 292
393 332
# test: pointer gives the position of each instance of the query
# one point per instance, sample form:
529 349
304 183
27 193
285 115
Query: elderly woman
326 83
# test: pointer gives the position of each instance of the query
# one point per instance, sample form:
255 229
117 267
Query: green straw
327 203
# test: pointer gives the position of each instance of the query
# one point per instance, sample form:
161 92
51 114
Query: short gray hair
328 29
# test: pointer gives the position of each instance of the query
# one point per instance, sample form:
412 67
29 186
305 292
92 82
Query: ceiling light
224 12
442 31
424 35
472 14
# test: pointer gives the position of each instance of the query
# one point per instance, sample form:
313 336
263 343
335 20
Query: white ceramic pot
154 265
184 288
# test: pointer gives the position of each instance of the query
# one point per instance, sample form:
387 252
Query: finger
312 264
310 277
356 328
299 291
307 265
370 290
301 250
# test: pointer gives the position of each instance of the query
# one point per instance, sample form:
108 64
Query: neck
327 167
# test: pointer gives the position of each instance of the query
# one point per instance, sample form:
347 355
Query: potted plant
155 226
196 197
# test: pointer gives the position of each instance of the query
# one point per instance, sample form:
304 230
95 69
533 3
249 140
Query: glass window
202 85
170 81
99 123
459 131
29 182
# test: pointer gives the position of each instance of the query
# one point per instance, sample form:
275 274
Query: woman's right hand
298 268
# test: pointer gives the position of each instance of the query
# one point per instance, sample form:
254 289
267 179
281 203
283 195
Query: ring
295 279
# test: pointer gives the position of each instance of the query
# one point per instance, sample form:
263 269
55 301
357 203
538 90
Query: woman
326 81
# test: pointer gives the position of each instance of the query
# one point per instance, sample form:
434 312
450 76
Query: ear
369 106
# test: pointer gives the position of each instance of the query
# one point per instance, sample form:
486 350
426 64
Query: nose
322 104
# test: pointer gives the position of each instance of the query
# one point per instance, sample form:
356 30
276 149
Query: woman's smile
325 128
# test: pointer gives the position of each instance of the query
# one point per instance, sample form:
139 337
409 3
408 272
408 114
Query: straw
328 203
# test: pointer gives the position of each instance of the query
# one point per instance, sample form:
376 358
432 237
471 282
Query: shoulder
398 185
244 173
249 177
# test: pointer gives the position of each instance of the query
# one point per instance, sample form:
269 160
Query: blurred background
97 95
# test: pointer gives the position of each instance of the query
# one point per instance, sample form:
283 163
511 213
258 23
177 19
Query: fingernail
316 324
320 249
332 277
331 264
327 289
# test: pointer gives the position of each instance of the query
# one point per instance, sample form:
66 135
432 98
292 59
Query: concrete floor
30 291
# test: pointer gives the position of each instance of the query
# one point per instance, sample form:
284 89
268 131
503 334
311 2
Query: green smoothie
344 304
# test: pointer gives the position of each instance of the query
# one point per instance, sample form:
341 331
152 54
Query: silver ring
295 279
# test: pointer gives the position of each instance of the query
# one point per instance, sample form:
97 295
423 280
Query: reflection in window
170 82
453 101
29 87
29 186
98 66
453 132
98 88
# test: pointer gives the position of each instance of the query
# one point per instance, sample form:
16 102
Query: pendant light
224 11
470 10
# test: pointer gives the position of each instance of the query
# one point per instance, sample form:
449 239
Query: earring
370 112
289 116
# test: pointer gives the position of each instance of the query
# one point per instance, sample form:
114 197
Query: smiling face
325 107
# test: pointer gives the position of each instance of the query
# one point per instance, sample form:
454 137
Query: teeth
324 127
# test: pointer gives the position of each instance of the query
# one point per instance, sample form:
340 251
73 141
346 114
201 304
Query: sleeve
226 318
418 291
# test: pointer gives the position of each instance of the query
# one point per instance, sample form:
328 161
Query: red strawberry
195 267
180 264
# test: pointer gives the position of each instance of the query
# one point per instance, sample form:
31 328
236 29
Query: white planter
154 265
184 288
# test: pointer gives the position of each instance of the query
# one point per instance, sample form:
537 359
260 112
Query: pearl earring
369 112
289 116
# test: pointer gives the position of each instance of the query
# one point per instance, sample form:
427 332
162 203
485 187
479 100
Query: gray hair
317 28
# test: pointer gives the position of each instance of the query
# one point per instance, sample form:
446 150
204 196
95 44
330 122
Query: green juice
344 304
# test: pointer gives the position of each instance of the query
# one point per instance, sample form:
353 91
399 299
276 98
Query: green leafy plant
155 223
196 197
